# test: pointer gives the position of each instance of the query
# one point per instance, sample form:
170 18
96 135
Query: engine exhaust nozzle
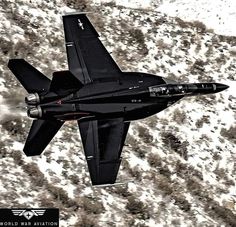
32 99
35 112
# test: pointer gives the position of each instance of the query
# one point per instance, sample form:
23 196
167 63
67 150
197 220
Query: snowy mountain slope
218 14
181 161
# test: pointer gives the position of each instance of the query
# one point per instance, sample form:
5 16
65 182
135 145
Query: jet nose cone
221 87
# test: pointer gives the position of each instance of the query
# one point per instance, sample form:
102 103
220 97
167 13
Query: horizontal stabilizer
41 133
31 79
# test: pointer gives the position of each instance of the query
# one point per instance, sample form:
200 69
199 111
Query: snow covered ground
181 161
218 14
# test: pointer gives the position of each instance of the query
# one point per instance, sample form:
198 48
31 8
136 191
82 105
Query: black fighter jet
98 95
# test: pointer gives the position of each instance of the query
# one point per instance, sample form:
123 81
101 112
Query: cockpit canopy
168 90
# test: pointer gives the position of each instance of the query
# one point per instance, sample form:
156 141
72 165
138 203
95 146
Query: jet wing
103 141
87 58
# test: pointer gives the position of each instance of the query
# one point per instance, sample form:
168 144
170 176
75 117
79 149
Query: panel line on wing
87 78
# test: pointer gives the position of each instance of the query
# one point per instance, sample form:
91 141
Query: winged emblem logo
28 214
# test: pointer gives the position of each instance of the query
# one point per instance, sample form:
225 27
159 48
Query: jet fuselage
132 96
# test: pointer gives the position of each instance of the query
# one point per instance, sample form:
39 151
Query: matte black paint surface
97 94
